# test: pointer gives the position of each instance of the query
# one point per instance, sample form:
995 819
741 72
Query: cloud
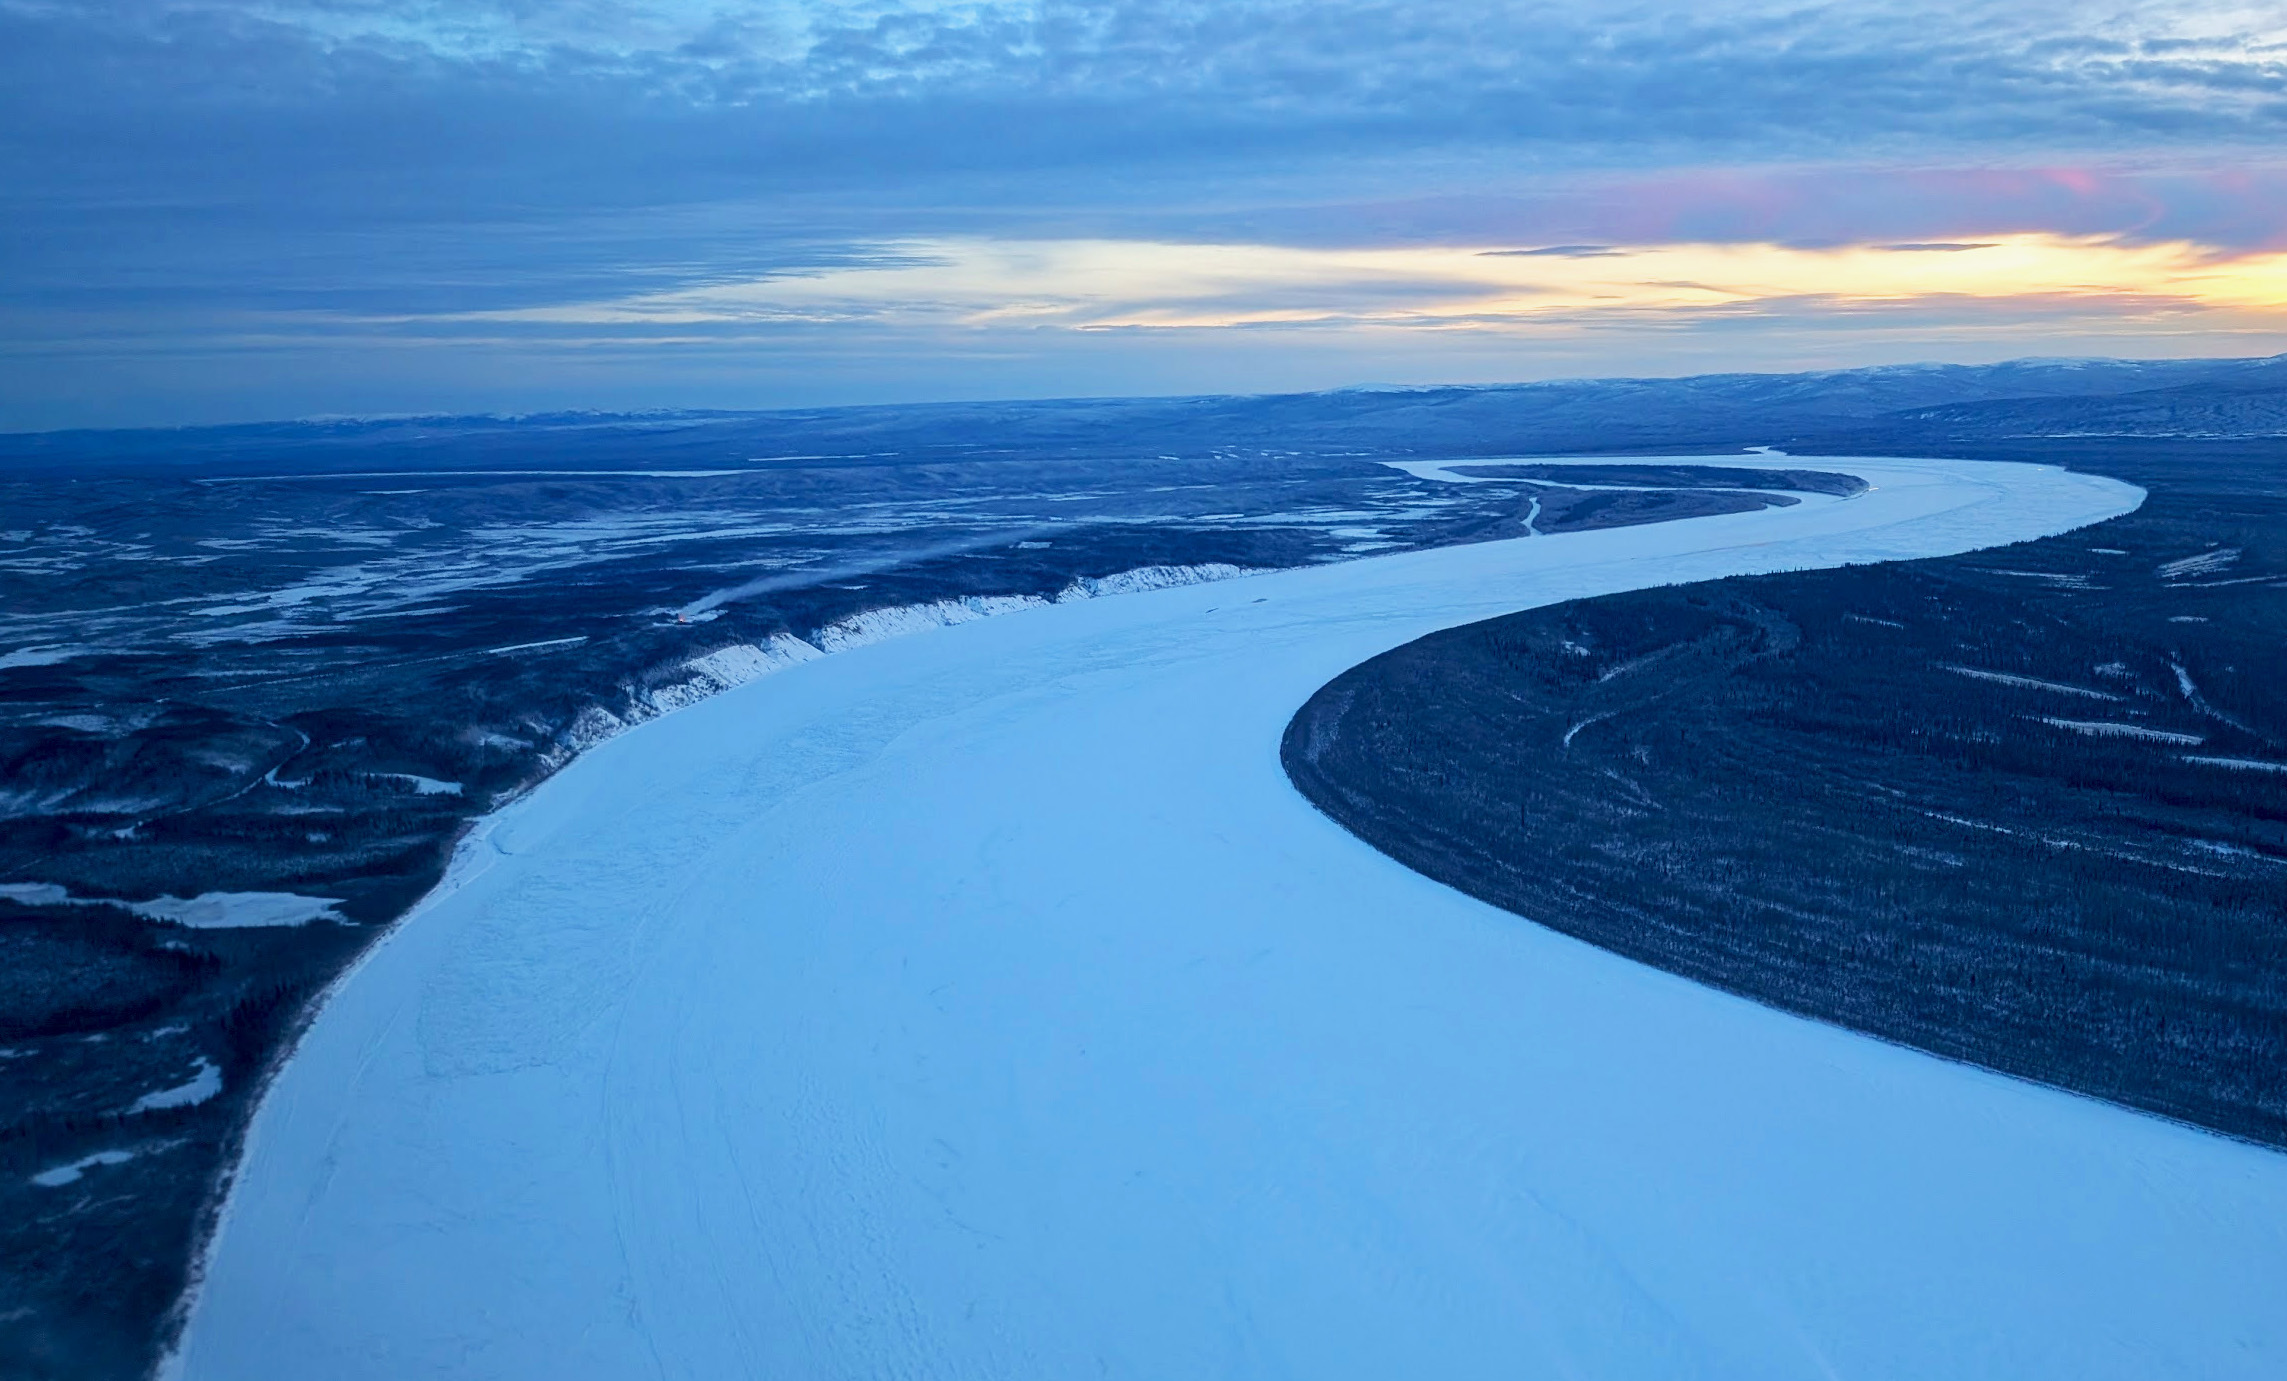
1101 284
392 108
192 176
1554 252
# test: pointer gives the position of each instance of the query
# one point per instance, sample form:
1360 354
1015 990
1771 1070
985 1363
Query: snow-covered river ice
986 1003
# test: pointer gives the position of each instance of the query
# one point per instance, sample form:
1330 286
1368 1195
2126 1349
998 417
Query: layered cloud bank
1101 284
217 209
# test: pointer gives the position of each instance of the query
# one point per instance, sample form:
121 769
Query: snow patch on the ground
237 910
2237 764
62 1175
2027 682
2104 728
2190 690
203 1085
83 723
2206 563
39 656
536 646
35 894
422 786
206 911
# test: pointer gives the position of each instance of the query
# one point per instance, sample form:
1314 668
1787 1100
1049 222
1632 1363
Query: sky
216 210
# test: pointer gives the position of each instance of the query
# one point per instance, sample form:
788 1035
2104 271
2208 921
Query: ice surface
986 1004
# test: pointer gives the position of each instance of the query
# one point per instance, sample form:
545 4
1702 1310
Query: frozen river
985 1003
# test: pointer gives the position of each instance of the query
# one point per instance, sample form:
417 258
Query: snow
897 621
1457 471
329 475
1149 578
2190 690
2206 563
2103 728
1436 470
2237 764
39 656
422 786
206 911
698 679
987 1004
725 667
2024 682
738 664
35 894
61 1175
203 1085
234 910
82 723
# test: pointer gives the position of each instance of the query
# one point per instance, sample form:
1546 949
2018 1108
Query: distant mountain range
2208 399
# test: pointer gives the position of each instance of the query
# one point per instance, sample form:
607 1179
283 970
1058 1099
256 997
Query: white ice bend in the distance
987 1004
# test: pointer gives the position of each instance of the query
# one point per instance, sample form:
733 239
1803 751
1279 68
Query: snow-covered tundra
986 1004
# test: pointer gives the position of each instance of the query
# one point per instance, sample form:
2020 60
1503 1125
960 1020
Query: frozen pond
986 1003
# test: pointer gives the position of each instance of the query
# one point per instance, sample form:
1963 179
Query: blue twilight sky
221 209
